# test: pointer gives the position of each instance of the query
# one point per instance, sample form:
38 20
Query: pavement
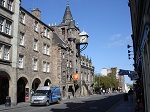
122 106
19 105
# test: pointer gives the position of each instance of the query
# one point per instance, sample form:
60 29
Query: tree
96 81
109 81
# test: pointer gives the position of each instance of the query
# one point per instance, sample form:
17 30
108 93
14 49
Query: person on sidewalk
130 94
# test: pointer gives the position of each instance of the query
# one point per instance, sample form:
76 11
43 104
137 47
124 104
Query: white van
46 95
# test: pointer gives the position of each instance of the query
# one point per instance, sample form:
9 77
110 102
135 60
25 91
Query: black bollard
8 101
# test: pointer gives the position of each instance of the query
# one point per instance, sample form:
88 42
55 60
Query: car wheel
59 101
47 103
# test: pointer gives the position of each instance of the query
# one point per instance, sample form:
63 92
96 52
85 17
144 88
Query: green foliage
96 81
109 81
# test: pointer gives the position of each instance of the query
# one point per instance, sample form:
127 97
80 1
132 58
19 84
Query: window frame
20 61
45 32
22 17
21 39
1 51
48 67
44 48
9 4
48 50
35 44
3 3
35 26
35 64
6 52
44 66
8 27
1 24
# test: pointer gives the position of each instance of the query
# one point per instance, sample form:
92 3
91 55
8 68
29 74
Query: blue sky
107 23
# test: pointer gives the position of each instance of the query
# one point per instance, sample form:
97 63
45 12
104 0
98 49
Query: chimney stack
37 13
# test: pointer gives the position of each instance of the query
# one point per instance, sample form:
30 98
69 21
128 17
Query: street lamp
128 46
129 51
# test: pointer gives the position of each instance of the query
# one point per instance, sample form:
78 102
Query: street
96 103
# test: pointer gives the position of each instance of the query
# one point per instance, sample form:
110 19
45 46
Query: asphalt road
94 103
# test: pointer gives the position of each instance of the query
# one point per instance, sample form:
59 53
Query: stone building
70 33
87 76
34 54
140 20
9 17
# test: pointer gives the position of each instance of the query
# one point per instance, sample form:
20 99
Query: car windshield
41 93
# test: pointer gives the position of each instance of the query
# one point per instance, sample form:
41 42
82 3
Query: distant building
115 70
105 71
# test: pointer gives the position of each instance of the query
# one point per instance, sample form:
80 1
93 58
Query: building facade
140 19
70 33
105 71
9 17
87 76
34 54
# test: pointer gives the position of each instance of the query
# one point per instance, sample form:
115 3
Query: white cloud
128 37
116 36
117 40
116 44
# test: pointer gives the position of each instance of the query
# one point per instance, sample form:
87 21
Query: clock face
83 39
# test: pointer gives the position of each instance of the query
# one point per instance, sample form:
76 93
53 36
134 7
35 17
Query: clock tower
73 38
83 37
